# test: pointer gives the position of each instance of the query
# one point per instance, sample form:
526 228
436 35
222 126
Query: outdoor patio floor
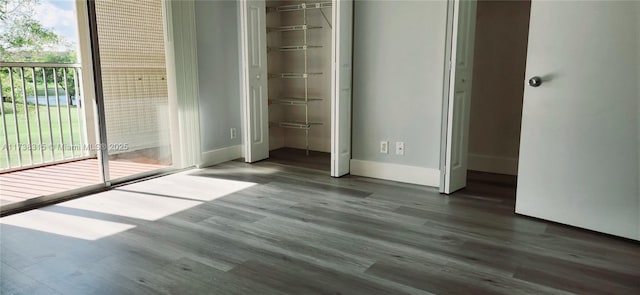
22 185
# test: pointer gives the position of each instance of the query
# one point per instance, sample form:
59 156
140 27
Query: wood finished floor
299 158
268 228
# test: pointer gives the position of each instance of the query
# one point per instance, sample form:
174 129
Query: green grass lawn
49 135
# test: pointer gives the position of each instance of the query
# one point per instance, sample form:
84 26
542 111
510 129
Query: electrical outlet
233 132
400 148
384 147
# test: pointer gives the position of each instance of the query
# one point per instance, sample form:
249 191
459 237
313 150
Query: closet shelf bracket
301 6
298 125
293 28
301 101
294 75
295 47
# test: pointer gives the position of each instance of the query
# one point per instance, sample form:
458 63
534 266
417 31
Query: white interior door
459 94
580 144
341 87
254 79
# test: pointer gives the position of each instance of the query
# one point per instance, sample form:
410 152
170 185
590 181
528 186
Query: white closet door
463 38
255 77
341 87
580 145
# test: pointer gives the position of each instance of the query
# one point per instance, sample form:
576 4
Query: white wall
398 77
502 31
219 79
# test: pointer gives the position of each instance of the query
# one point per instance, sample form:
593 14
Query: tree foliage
20 31
23 37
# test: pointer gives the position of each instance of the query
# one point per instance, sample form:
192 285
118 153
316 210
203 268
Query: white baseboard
493 164
396 172
222 155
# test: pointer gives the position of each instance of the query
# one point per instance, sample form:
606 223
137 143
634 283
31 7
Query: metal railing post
68 97
55 83
46 96
15 116
81 123
37 101
26 115
4 128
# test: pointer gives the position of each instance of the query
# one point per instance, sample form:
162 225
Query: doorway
500 54
578 154
483 105
296 82
299 62
88 115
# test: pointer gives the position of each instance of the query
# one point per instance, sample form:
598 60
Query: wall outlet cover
384 147
233 133
400 148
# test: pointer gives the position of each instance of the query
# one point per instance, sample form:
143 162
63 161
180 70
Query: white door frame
445 95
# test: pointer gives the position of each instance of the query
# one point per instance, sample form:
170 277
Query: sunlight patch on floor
130 204
189 187
65 225
148 200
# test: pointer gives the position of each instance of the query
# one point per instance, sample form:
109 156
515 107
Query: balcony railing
42 117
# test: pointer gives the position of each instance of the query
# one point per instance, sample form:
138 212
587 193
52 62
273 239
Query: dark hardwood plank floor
269 228
299 158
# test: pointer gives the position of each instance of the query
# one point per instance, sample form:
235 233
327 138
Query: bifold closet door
255 88
341 87
459 97
580 145
255 77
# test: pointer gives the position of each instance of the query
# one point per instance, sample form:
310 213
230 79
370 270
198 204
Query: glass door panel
47 145
134 82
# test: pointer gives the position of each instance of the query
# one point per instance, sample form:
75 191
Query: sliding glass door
87 111
133 76
47 138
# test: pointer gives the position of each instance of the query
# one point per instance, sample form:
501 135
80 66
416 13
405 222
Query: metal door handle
535 81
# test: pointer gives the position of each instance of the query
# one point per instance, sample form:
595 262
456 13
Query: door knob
258 76
535 81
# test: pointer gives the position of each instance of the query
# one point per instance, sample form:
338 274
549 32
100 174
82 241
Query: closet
297 82
299 66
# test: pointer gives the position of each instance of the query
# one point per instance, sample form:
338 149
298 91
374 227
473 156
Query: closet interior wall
502 32
318 63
